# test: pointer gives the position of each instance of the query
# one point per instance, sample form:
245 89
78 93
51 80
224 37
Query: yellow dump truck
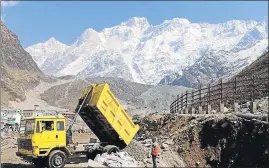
46 142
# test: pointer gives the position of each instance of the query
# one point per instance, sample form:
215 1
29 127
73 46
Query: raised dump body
105 116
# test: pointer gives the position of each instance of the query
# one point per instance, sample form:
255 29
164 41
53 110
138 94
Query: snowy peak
89 35
50 43
43 51
136 22
52 40
178 22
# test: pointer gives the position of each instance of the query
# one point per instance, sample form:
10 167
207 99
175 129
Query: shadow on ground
73 162
14 165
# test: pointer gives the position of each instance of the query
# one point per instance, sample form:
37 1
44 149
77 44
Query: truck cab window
37 127
60 125
47 126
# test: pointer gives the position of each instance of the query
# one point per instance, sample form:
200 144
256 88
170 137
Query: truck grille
25 144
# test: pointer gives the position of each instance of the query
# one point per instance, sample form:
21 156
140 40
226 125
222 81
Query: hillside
138 51
136 98
19 71
210 140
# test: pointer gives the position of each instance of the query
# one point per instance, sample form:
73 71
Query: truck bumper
26 157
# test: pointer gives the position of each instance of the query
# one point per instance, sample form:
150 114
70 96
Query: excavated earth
212 140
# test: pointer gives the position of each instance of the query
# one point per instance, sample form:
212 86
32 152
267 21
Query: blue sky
36 22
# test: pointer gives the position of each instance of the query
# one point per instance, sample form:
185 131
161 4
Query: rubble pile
119 159
9 132
210 140
137 151
140 150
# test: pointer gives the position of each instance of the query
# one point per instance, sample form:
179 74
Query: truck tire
57 159
91 155
111 149
39 162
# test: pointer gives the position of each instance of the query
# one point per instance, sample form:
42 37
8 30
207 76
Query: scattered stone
169 142
224 124
120 159
147 145
164 146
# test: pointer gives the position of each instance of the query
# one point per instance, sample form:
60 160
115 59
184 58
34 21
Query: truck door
48 134
60 133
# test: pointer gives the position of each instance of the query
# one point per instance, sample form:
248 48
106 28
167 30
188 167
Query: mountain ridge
138 51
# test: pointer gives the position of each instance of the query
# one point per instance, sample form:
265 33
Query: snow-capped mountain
44 53
176 50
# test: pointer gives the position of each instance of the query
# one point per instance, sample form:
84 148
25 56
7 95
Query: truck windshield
29 127
22 127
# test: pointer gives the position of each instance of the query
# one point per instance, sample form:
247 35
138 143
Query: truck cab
42 141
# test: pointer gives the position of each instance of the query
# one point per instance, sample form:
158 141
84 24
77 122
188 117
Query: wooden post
186 98
177 103
200 110
253 87
181 102
192 102
221 91
209 94
208 107
200 95
192 97
235 89
221 105
252 103
186 108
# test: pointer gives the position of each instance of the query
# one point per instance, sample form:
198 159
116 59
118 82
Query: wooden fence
238 90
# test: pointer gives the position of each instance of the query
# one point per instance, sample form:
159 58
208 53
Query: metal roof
11 123
45 117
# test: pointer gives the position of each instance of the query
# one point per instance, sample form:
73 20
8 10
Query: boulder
164 146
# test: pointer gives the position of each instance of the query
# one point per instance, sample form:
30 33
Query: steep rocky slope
19 72
136 98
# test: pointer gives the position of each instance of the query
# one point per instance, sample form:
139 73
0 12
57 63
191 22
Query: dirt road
10 160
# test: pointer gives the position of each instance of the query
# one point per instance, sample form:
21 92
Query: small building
10 115
49 113
68 114
31 113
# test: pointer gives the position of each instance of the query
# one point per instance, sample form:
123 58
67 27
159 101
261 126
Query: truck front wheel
57 159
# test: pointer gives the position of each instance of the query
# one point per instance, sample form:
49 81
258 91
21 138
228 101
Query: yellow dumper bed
105 116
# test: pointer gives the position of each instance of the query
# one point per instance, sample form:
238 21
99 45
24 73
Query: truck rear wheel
111 149
91 155
57 159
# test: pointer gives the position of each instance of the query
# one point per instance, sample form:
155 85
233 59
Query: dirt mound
217 141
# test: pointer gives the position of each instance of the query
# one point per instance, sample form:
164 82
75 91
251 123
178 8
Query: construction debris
120 159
